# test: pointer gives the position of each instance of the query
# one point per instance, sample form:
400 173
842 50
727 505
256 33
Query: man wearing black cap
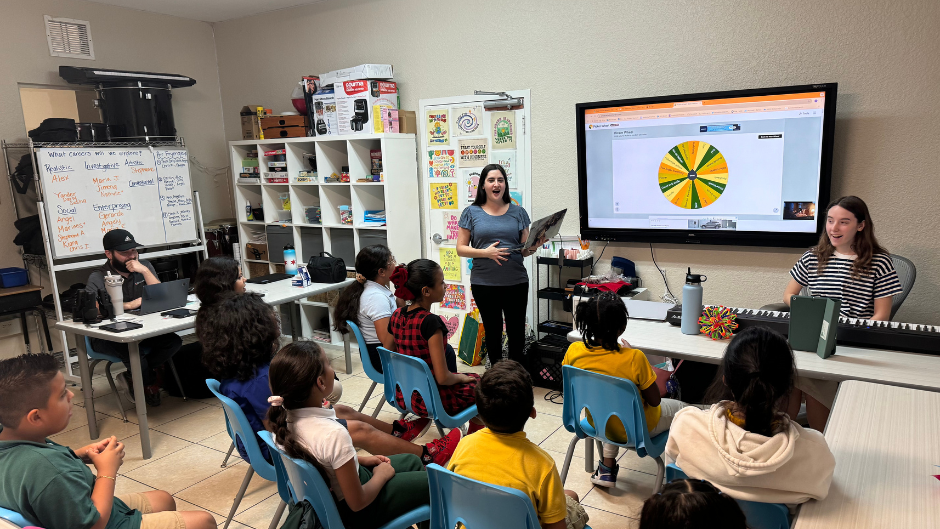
121 250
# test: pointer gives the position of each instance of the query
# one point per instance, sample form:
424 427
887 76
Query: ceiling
208 10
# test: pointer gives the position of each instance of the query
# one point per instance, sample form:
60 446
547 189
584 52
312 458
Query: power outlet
10 327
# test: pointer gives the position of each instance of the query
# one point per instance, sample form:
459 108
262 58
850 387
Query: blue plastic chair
238 428
97 357
758 515
375 376
305 483
607 397
14 518
409 374
455 498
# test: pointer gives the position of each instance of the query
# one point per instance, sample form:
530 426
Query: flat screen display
750 167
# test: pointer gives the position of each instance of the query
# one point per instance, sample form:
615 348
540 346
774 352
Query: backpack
301 516
326 269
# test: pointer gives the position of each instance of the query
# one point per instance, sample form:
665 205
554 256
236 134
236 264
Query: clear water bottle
290 260
692 302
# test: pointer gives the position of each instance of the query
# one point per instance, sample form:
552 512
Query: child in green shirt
49 484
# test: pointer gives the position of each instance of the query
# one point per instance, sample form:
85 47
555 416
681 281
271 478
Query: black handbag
326 269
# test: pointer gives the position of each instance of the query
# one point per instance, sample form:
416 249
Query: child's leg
407 490
610 454
575 516
375 441
345 412
668 409
159 512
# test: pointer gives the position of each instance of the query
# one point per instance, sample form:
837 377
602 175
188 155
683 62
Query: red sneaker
441 449
474 427
414 429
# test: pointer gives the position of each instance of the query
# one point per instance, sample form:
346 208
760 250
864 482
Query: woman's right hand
495 253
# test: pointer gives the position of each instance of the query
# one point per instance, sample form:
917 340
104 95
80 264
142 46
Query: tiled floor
189 442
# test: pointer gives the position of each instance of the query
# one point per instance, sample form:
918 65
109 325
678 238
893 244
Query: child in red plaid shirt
415 331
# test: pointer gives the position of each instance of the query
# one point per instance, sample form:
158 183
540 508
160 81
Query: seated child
367 301
239 335
415 331
49 484
601 320
501 454
370 491
691 504
746 445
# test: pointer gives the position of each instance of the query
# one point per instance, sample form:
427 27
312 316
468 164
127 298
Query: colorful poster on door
444 196
455 297
516 198
470 179
452 321
507 159
467 121
503 130
438 126
450 263
472 153
451 229
441 163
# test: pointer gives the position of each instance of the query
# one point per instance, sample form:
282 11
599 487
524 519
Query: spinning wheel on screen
693 175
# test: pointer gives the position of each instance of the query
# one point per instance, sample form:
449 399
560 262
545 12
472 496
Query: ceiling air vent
69 38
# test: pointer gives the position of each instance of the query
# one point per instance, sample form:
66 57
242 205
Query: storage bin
13 277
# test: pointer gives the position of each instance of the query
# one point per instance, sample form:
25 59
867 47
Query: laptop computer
164 296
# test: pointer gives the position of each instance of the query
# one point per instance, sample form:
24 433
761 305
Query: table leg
86 385
45 328
588 454
133 348
293 310
25 330
348 353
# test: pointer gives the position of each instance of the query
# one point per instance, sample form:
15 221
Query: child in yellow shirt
501 454
601 320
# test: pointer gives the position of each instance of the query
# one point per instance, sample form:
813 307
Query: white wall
885 57
123 39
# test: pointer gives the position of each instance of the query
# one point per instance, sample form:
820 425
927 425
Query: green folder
813 324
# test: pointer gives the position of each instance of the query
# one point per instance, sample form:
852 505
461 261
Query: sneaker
126 386
605 476
152 395
441 449
474 427
411 430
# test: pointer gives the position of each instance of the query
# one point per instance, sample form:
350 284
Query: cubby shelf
397 196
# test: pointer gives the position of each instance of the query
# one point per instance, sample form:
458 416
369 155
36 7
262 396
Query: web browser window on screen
744 164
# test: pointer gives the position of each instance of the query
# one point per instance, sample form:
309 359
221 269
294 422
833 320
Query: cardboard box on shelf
407 123
251 128
323 114
284 132
363 71
256 252
357 102
283 121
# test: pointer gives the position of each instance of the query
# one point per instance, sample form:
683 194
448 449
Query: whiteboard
88 192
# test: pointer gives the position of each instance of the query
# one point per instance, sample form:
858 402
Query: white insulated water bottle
114 286
692 302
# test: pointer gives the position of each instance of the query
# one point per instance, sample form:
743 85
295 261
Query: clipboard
813 324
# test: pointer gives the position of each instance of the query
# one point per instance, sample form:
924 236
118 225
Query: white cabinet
397 195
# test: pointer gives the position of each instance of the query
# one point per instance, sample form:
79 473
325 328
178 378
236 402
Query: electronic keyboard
890 335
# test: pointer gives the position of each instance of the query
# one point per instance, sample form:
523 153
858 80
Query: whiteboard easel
47 232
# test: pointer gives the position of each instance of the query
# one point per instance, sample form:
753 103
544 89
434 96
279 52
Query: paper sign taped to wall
472 153
444 195
450 263
470 179
503 130
467 121
441 163
454 297
507 159
438 126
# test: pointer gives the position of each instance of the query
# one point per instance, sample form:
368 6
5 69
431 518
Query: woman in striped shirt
848 264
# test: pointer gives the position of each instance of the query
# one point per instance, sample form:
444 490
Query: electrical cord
604 249
551 396
668 296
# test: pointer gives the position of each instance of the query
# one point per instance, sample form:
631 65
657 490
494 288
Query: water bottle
290 260
692 302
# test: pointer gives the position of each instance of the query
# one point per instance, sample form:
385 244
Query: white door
457 137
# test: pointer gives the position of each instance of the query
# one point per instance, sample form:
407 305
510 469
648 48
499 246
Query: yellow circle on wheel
693 175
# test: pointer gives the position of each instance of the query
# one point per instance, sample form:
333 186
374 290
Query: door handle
438 239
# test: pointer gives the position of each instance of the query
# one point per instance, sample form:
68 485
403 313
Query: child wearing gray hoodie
745 444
